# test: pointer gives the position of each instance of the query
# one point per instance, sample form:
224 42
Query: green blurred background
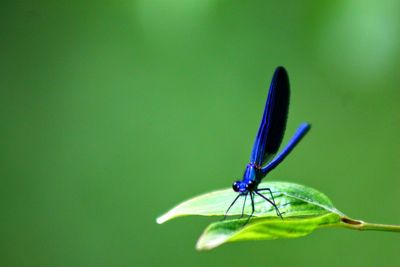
112 112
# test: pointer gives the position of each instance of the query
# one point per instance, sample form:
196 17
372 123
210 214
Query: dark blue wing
273 123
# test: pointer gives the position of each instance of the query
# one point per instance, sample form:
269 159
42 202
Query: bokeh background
112 112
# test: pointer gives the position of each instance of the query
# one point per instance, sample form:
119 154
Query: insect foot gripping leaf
304 210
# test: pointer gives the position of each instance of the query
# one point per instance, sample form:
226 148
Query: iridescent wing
273 123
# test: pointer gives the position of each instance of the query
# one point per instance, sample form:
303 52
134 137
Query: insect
267 143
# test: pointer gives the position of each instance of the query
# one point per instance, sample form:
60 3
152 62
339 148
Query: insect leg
272 203
270 192
244 205
230 206
252 208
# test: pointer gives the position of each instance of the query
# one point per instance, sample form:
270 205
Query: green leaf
292 199
262 229
304 210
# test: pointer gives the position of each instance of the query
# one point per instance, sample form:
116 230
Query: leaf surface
292 199
304 209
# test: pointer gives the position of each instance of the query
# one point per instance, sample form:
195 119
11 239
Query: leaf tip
203 245
207 243
166 217
162 219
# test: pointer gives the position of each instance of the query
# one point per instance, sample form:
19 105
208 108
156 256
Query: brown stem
361 225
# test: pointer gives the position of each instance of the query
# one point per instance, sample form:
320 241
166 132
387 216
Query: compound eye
235 186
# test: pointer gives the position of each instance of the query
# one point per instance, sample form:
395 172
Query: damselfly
266 145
